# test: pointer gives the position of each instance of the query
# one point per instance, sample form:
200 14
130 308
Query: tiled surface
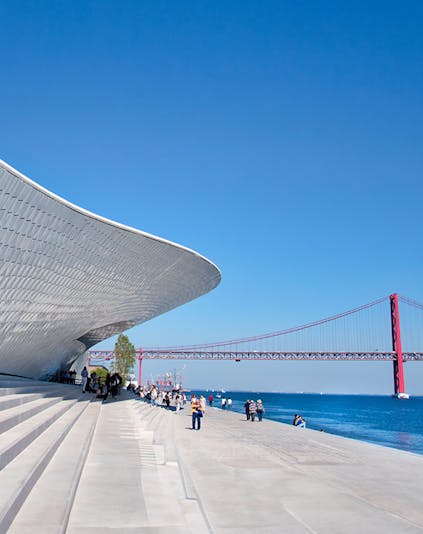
69 279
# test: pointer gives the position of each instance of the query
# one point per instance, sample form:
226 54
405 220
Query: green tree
124 357
100 372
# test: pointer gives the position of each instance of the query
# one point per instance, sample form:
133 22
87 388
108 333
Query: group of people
175 398
111 385
226 403
158 397
253 408
102 387
66 377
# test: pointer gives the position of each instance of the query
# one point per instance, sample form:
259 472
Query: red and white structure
229 350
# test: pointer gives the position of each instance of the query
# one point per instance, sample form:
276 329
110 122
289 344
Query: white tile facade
69 279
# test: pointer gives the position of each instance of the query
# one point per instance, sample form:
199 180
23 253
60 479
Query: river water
377 419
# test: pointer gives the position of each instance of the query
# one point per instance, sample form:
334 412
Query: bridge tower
139 351
397 348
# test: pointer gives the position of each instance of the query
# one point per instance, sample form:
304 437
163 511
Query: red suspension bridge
305 342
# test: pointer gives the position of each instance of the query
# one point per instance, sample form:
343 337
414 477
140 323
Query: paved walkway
148 471
273 478
127 484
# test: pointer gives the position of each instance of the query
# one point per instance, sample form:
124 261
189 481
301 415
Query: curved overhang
70 278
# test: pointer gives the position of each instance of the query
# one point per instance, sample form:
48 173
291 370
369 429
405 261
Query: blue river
377 419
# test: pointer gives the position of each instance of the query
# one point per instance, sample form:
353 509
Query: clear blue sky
283 140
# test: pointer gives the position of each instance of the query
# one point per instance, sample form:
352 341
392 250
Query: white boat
402 396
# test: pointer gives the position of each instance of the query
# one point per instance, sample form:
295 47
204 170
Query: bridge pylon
139 356
399 388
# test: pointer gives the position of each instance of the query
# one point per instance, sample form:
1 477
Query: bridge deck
101 355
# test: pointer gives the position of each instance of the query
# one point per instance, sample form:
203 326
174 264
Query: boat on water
401 396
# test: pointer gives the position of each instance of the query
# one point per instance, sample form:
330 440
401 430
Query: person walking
252 410
84 378
260 409
153 395
211 400
200 414
229 403
178 402
196 414
203 403
247 409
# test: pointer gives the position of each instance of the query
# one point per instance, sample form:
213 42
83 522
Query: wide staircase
69 463
35 419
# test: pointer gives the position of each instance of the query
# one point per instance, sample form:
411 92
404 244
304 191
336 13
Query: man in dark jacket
247 409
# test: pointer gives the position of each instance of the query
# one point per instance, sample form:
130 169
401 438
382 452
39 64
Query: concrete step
170 451
16 439
20 475
143 416
150 421
19 380
159 426
16 379
108 498
155 488
50 500
16 415
10 389
158 449
159 432
141 404
147 413
154 422
18 399
28 391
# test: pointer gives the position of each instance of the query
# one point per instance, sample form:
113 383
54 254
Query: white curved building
69 278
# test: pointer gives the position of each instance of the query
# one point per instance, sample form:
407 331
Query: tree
100 372
124 356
